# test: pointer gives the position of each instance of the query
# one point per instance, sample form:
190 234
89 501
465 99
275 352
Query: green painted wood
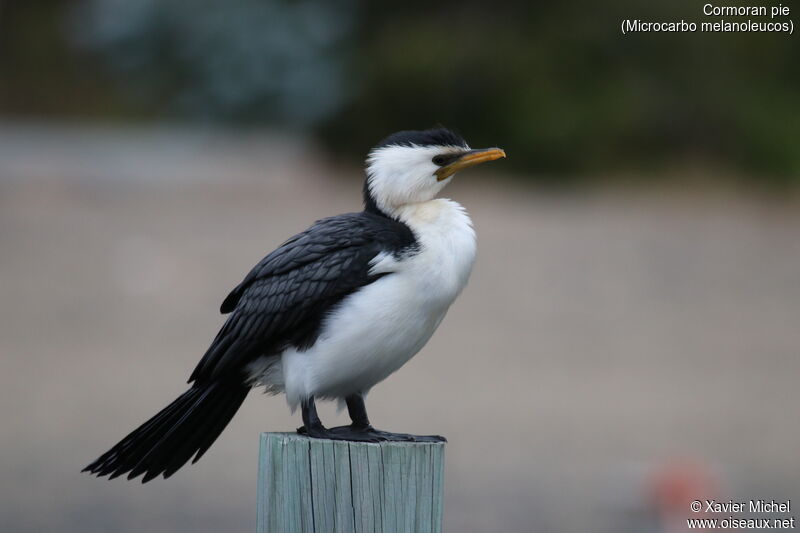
325 486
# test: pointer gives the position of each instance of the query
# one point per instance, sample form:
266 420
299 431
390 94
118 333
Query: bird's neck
370 205
440 213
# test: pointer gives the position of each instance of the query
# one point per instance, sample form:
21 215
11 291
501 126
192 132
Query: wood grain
314 485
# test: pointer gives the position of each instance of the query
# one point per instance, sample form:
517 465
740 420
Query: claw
365 434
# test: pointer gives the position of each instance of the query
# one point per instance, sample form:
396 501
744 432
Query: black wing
284 299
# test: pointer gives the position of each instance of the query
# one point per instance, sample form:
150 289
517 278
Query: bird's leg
312 426
311 422
357 410
361 429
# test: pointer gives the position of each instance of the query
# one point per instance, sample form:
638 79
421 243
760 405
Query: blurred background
629 340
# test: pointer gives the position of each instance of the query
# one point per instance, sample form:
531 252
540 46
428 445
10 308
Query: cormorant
331 312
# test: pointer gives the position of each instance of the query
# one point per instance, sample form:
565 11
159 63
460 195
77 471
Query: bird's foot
364 434
406 437
347 433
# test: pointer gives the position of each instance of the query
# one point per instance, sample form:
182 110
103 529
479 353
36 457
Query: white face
400 175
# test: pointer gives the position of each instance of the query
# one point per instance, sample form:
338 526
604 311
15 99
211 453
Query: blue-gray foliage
238 59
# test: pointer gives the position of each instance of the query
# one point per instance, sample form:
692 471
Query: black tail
188 426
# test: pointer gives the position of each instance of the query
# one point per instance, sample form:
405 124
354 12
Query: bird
331 312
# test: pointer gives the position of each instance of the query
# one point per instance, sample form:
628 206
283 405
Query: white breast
442 266
380 327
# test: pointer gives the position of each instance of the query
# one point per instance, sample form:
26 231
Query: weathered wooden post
326 486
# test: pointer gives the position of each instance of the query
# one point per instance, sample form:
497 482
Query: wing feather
284 298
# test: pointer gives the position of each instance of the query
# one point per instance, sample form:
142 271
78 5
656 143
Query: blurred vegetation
556 84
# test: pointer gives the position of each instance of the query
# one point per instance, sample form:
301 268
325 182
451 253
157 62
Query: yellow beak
469 159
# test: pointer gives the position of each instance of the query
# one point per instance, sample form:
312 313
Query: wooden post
325 486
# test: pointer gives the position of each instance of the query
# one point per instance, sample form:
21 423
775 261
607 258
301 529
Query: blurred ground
601 337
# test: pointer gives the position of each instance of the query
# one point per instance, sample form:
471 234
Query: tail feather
129 452
155 460
186 427
204 434
217 427
180 443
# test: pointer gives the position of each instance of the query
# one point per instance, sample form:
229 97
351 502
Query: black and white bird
330 313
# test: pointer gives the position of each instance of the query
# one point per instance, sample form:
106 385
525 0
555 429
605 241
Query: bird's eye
439 160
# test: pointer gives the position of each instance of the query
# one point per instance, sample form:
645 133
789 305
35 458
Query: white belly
376 330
